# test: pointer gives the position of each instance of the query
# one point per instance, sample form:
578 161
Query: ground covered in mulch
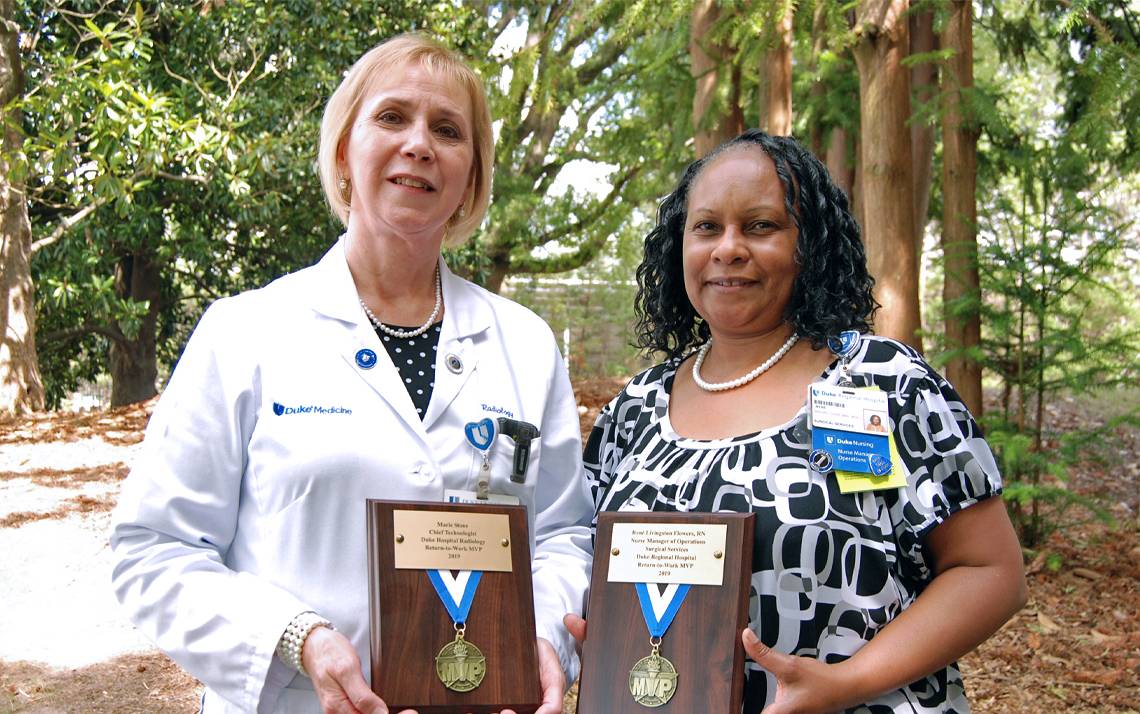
1075 647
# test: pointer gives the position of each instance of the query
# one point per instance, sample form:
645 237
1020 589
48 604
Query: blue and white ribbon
659 607
456 591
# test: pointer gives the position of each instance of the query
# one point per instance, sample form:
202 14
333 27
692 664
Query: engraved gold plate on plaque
687 554
460 665
652 680
451 540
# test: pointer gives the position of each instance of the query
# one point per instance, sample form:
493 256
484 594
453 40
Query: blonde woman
240 535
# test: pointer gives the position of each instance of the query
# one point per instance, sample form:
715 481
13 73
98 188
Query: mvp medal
460 665
652 680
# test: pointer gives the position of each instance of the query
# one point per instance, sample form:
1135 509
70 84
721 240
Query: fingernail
750 637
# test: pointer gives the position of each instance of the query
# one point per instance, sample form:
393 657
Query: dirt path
66 647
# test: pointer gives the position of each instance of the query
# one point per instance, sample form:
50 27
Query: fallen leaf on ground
1110 678
1047 623
1103 638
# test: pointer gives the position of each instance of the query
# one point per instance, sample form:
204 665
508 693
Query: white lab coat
236 518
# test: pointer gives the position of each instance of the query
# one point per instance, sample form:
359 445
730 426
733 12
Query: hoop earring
345 193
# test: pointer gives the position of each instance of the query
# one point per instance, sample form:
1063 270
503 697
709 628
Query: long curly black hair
832 292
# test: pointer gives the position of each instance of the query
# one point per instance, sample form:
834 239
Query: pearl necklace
404 334
739 381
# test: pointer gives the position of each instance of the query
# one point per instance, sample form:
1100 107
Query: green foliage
595 87
1036 483
1094 46
1055 322
1057 254
183 136
180 136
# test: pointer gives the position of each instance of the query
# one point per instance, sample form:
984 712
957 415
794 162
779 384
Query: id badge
850 426
455 495
852 482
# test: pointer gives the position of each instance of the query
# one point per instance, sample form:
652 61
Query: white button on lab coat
246 504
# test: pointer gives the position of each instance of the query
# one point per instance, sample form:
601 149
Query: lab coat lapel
348 331
467 315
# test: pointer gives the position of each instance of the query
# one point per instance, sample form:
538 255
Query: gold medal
653 680
460 665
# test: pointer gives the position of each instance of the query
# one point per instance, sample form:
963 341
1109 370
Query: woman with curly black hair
868 580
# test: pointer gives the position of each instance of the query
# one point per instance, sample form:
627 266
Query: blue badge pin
820 461
845 344
880 465
365 359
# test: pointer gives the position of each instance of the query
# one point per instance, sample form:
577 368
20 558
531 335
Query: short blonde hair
345 102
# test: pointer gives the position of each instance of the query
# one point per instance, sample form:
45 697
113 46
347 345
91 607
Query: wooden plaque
703 643
409 623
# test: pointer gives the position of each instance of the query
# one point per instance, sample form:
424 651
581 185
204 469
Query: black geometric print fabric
414 358
829 569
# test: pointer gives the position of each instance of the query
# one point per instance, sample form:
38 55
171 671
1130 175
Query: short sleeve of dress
949 466
603 450
618 426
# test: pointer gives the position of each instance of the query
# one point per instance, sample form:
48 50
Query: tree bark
21 389
710 64
960 290
776 90
818 44
857 188
838 161
885 172
133 359
924 87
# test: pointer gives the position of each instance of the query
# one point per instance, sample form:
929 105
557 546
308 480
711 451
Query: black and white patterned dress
828 569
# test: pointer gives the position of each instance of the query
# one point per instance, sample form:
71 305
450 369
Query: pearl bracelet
292 641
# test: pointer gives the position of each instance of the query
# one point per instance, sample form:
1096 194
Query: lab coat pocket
505 477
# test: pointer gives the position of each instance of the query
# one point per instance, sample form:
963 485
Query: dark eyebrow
752 211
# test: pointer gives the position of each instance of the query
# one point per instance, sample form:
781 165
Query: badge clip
845 345
481 435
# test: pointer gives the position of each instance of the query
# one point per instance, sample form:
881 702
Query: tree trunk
885 172
21 390
500 269
838 161
924 87
857 187
818 44
776 89
713 122
960 290
133 358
